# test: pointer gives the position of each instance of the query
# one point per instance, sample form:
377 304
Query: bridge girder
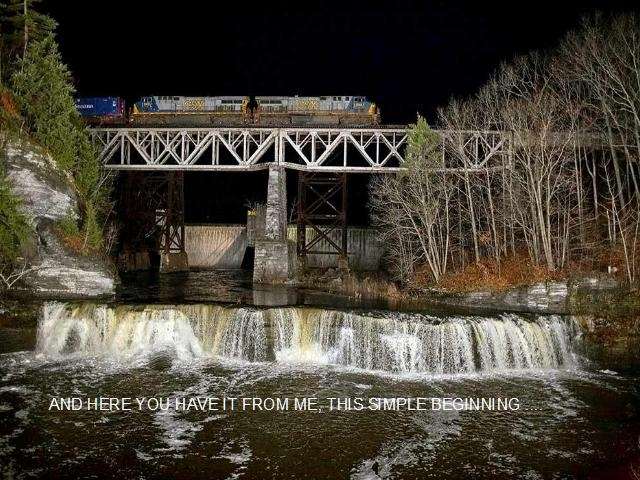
347 150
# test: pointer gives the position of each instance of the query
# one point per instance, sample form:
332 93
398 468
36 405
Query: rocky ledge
48 196
541 298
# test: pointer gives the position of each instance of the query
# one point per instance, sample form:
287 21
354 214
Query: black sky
407 55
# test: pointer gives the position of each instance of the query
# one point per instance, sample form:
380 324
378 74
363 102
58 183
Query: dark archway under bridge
224 197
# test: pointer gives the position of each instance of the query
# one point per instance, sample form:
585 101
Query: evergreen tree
13 226
44 92
41 92
2 44
24 23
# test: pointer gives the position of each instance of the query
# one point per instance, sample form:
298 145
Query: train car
180 111
102 110
327 110
191 111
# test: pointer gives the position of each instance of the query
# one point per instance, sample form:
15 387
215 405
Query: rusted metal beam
322 206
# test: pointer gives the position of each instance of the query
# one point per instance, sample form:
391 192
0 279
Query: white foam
396 343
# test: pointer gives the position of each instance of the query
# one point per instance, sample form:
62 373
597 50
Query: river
242 383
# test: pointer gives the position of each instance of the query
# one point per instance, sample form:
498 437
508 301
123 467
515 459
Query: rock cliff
47 197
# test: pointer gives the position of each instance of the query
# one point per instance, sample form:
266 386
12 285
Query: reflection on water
231 286
572 419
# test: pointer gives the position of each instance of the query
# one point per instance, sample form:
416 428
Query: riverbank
560 296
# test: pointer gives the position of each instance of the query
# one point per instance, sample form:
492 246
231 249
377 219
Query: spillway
382 341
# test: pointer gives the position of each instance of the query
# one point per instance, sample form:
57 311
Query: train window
335 99
323 98
176 98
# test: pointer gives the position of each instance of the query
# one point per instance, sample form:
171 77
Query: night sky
408 56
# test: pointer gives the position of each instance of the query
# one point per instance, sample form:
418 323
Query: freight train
173 111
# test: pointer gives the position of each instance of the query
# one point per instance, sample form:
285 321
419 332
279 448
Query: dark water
571 424
236 287
572 420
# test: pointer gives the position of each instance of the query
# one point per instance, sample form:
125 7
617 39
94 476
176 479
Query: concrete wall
224 246
215 246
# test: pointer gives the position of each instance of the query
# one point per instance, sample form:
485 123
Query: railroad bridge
156 159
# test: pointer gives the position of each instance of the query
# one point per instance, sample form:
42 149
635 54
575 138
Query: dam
226 246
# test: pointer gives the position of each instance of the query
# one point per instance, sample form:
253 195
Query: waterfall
98 329
392 342
417 343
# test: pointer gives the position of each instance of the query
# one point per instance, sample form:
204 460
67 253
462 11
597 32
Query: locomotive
159 111
333 110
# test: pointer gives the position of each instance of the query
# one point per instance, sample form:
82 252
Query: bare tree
412 208
568 186
10 277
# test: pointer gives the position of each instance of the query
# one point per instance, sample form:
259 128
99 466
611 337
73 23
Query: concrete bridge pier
271 264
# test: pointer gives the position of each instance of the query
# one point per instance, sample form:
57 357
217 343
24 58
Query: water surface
572 420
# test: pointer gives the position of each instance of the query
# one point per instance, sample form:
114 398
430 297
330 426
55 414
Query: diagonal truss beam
368 150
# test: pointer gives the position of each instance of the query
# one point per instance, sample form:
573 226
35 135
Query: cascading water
415 343
98 329
401 343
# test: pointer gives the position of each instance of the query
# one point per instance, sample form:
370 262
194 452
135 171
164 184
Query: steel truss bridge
344 150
